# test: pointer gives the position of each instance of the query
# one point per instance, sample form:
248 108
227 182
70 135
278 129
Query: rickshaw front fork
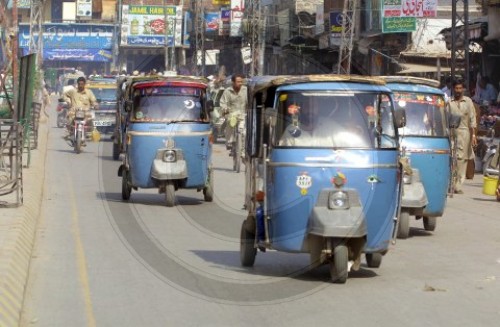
354 245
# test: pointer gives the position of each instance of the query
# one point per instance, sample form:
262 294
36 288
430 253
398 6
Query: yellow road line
80 256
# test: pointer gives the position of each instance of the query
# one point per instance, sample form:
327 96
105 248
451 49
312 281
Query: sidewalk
17 233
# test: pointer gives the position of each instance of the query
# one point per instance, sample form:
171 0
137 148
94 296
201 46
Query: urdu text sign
399 24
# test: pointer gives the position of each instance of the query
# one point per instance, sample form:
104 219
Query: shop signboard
70 36
237 8
146 26
225 22
399 25
221 2
94 55
400 16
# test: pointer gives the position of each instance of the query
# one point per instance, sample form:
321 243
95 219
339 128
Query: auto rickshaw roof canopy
411 80
259 83
145 81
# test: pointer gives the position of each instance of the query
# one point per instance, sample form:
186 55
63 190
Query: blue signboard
70 36
94 55
336 22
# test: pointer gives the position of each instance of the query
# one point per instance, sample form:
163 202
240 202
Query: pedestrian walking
466 132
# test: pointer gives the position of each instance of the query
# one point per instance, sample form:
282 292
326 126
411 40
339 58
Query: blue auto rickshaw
168 136
425 144
323 174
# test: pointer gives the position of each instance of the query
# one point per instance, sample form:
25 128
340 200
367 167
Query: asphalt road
99 261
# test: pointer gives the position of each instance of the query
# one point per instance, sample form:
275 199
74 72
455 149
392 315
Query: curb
19 226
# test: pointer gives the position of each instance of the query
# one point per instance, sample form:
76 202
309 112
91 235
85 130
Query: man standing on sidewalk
466 132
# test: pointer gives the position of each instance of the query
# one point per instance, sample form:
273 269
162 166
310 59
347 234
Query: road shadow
148 199
493 199
276 264
227 170
419 232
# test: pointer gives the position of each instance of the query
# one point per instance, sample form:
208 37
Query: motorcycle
486 150
62 113
81 125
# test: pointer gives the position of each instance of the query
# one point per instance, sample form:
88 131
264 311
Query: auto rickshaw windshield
339 119
103 94
425 114
168 104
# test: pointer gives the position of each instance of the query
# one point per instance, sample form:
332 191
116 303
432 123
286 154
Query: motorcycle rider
81 97
233 105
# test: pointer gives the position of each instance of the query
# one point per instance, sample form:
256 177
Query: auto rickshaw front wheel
126 187
170 194
339 264
247 248
404 225
430 223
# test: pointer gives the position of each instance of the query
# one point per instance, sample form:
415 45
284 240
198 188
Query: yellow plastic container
490 185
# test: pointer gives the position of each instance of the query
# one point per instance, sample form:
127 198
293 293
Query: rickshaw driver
81 97
304 131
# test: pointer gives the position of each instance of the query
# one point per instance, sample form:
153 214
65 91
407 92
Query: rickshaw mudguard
349 223
414 195
431 156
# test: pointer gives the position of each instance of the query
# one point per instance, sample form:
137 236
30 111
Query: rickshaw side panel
290 206
431 156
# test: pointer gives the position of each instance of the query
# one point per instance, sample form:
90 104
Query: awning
416 68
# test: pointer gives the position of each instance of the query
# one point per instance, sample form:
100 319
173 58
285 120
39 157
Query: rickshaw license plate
102 123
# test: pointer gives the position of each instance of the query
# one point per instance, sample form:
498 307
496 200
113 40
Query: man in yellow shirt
81 97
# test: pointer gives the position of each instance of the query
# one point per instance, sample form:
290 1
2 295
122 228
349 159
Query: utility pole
255 33
167 66
460 41
36 30
346 40
199 38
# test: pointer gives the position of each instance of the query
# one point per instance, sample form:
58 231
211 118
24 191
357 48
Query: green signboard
399 24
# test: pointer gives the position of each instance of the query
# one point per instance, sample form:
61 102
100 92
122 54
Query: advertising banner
70 36
146 26
212 22
409 8
237 7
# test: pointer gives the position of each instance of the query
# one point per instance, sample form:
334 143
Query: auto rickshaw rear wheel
430 223
126 187
170 194
339 264
404 225
208 191
247 248
373 260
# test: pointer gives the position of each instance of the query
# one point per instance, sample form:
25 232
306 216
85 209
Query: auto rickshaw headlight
338 200
169 156
407 179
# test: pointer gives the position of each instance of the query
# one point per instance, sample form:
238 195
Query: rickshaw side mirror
210 105
400 117
454 121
